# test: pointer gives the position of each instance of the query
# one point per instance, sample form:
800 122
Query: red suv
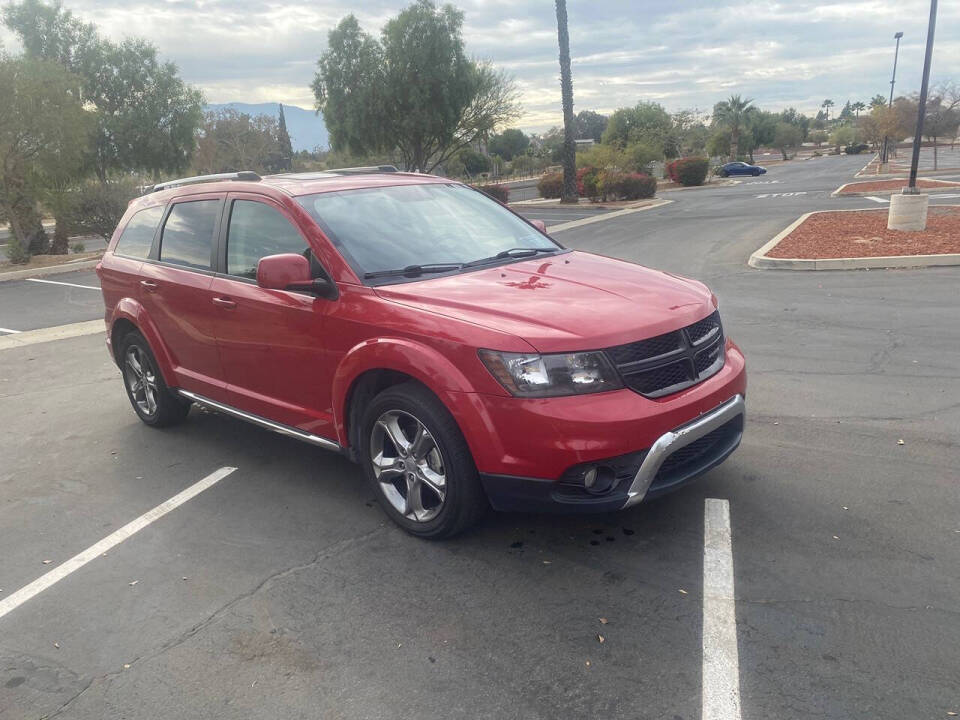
448 345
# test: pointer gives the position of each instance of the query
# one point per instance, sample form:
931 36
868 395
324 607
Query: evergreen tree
286 147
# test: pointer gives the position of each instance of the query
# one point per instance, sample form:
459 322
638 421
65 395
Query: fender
419 361
130 309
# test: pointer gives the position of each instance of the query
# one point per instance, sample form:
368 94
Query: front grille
673 361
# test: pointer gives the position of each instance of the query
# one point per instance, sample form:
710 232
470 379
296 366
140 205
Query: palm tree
733 114
857 107
826 105
569 194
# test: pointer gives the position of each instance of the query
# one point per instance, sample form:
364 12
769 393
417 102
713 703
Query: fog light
599 479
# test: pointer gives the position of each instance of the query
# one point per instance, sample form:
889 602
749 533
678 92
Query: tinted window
188 232
393 227
137 237
257 230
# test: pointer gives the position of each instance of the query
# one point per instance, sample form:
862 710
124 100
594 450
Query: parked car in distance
458 353
741 168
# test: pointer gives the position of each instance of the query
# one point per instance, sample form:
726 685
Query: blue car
741 168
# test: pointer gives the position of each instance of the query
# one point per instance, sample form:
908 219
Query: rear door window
137 237
257 230
188 234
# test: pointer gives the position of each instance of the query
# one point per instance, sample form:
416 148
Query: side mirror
539 225
290 271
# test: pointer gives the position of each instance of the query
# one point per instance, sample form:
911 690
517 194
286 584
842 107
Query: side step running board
263 422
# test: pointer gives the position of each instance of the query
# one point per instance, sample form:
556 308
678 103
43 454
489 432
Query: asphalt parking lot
282 590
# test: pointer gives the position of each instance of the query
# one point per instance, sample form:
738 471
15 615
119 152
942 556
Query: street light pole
893 81
922 104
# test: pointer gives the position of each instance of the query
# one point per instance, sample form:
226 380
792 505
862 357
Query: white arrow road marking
721 663
115 538
57 282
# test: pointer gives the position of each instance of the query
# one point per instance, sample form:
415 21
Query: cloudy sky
682 54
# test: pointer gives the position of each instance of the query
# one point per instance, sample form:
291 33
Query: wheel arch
372 366
129 315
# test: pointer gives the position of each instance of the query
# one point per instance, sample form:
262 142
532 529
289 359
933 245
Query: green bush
587 185
500 193
626 186
95 208
691 170
551 186
16 253
638 156
78 247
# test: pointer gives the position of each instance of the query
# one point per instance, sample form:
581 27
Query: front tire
155 404
419 464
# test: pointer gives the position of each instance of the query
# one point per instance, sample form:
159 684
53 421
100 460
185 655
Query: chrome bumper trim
671 441
263 422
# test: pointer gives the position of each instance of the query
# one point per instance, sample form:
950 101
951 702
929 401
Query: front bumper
677 457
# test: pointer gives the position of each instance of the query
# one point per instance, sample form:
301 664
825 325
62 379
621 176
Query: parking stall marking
112 540
783 194
58 282
8 330
721 663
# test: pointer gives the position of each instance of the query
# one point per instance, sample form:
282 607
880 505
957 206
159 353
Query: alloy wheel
141 380
408 465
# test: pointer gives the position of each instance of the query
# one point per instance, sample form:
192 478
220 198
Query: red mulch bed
864 233
894 185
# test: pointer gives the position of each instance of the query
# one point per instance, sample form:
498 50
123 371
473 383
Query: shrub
626 186
638 156
633 186
95 208
78 247
587 182
551 186
856 149
16 253
500 193
670 169
691 170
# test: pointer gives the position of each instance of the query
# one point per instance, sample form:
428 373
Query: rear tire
419 464
153 402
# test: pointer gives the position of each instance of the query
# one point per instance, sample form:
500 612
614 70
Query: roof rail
242 175
363 170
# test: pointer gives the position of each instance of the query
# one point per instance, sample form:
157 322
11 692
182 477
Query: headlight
532 375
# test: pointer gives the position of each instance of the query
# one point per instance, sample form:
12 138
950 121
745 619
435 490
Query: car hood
573 301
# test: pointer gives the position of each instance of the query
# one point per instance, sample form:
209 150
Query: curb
760 261
50 270
60 332
892 191
603 216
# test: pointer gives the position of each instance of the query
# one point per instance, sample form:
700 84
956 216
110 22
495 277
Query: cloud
683 55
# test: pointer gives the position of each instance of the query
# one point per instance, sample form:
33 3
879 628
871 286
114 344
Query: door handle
224 302
148 286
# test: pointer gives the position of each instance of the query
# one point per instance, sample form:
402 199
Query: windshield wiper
517 252
413 270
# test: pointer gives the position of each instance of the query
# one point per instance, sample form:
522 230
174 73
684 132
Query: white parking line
8 330
876 199
57 282
721 664
115 538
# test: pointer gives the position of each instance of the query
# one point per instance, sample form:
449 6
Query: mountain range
306 127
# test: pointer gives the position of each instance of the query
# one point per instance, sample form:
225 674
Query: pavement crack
319 557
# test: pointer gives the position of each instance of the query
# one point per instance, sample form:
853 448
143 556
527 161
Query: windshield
387 228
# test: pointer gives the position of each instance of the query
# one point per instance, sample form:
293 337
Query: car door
271 342
176 295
